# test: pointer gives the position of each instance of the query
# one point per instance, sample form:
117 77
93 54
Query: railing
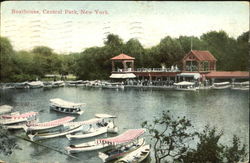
149 70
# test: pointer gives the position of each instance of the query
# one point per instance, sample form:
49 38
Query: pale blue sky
158 19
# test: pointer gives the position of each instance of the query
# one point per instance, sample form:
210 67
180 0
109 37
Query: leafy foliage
235 153
208 150
94 62
7 142
170 136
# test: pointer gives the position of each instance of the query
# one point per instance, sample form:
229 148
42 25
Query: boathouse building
197 66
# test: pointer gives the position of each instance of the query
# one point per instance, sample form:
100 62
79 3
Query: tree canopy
94 62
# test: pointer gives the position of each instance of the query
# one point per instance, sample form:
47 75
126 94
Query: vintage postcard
133 81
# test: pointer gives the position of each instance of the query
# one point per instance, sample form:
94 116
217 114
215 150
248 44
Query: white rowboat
48 135
89 146
138 155
88 134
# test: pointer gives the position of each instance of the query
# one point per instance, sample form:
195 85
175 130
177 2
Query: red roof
201 55
122 57
228 74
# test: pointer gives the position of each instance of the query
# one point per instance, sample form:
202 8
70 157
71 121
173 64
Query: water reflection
226 109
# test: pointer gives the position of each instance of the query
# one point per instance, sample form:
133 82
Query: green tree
134 48
170 136
223 48
7 142
43 50
242 54
208 149
169 52
6 56
235 153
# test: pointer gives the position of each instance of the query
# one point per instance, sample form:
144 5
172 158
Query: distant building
201 61
197 66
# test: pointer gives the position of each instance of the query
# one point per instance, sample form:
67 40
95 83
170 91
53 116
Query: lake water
226 109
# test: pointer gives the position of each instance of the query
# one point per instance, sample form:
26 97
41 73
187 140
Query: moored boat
35 84
97 126
138 155
59 83
35 127
88 146
112 128
116 85
221 85
5 109
47 85
243 86
125 143
91 132
63 106
21 85
185 86
17 118
47 135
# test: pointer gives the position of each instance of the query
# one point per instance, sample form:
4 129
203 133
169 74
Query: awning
123 76
87 122
56 122
184 83
126 137
62 103
20 116
194 75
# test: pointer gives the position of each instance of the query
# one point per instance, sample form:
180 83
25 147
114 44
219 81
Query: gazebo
127 68
124 59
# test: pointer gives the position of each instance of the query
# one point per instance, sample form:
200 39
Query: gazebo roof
201 55
122 57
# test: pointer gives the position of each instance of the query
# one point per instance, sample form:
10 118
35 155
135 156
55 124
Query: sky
72 26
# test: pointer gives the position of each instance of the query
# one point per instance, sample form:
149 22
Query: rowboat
89 133
17 118
221 85
138 155
35 84
113 85
5 109
125 143
101 127
185 86
243 86
112 128
47 85
89 146
47 135
58 84
63 106
21 85
34 127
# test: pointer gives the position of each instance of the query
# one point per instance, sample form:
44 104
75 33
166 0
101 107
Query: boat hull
76 113
12 121
89 146
98 131
221 87
186 89
138 155
53 135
